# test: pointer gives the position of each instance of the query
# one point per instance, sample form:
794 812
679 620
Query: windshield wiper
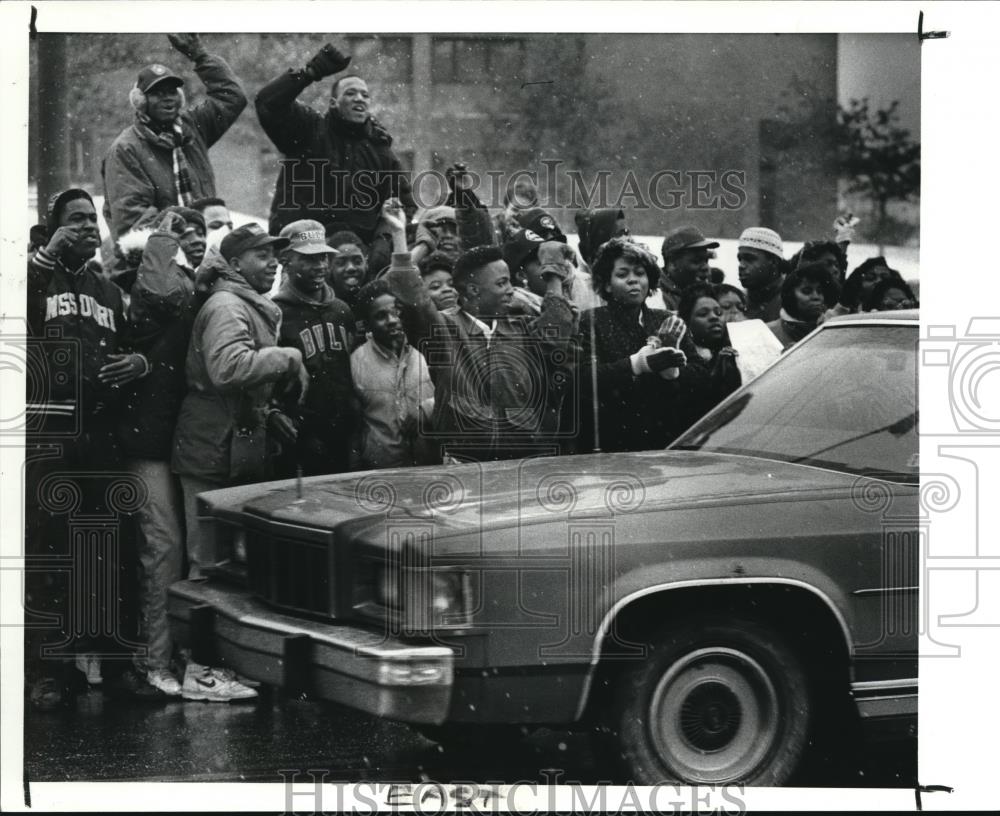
897 428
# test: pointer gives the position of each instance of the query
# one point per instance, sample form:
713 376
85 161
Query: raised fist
556 258
458 177
329 60
393 214
62 239
170 221
188 44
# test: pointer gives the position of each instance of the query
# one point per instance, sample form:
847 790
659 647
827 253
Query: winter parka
138 168
233 363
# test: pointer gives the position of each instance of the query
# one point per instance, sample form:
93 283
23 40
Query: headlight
437 598
448 592
229 543
239 545
387 587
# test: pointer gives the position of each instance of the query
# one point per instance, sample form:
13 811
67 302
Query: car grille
290 573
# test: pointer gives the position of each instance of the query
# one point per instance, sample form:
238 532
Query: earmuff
137 99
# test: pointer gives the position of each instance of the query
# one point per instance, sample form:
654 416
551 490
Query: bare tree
880 158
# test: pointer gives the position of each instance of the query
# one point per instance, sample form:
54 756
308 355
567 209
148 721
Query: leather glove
170 221
457 176
188 44
672 331
282 427
329 60
664 358
556 258
650 360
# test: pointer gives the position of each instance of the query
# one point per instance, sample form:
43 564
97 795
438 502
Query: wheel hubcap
710 716
714 716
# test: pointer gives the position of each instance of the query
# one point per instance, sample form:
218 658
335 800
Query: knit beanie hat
58 203
763 239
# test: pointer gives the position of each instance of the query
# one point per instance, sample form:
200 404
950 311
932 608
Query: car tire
717 701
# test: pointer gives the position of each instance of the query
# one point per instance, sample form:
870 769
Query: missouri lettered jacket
76 319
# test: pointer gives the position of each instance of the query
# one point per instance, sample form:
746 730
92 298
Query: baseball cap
520 248
762 238
432 215
307 237
687 237
155 74
249 236
541 223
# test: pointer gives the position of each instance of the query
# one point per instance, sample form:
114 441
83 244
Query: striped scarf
182 173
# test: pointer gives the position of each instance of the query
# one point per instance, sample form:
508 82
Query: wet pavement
103 739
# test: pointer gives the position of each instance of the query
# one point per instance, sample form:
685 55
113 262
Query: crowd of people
357 332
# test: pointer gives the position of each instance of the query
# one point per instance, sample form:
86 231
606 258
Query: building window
382 59
471 60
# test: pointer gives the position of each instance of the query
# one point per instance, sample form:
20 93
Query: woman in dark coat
634 377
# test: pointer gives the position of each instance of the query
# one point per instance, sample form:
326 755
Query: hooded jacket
138 168
233 363
323 330
352 166
594 228
162 310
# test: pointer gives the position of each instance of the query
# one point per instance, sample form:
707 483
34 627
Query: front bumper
360 668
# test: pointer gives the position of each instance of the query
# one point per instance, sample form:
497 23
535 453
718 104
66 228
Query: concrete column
53 124
422 96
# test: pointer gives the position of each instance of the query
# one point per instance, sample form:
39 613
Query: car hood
529 491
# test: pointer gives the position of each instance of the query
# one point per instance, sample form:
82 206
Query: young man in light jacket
227 426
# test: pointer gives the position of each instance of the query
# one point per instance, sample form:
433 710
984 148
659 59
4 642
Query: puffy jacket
353 165
232 365
138 168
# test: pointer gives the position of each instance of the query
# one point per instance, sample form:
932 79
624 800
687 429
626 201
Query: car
708 611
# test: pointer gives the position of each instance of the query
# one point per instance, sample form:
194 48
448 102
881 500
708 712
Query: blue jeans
161 554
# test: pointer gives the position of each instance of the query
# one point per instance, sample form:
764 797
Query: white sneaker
90 665
229 674
164 681
204 683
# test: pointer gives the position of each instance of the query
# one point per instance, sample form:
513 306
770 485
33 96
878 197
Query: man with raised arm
339 167
162 158
499 379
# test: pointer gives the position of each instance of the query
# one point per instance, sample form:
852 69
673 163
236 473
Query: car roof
904 315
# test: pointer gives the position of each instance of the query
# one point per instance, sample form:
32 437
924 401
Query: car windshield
844 400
